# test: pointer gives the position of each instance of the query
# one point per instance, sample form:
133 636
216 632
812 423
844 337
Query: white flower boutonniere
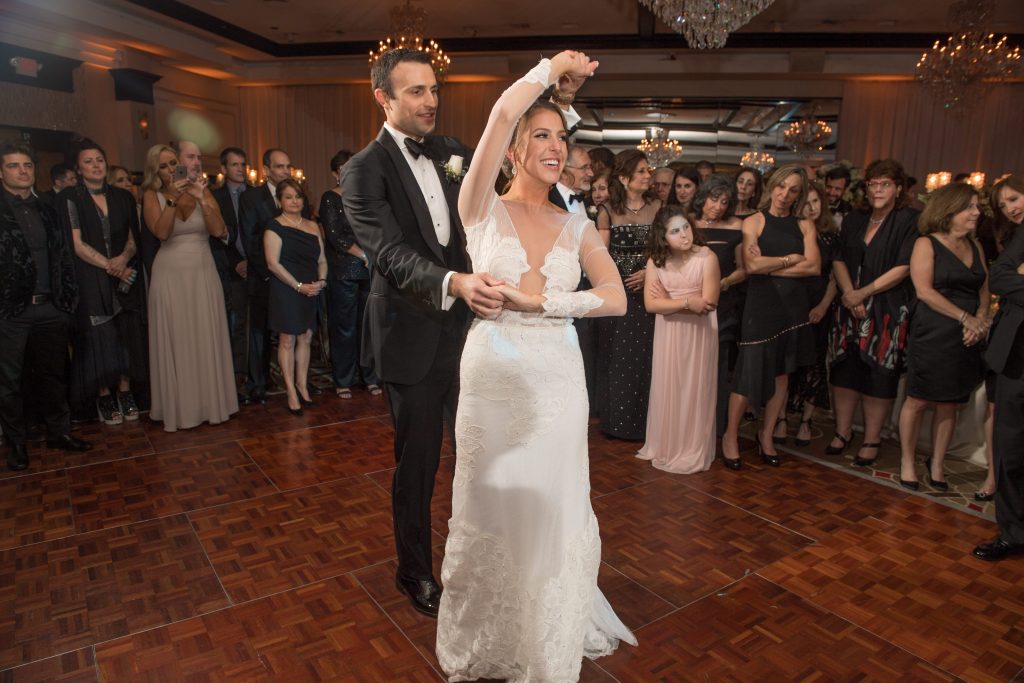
453 169
592 212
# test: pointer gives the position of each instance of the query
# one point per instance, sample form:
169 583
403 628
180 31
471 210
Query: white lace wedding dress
520 598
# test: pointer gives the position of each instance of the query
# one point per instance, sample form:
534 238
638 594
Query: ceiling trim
644 39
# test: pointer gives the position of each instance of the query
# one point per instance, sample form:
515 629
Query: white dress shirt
430 186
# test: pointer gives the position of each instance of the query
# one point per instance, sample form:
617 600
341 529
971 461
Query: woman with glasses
867 347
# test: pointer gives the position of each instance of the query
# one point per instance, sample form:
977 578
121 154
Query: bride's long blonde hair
523 125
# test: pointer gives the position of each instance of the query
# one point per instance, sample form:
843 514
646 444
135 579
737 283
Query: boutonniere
453 169
592 212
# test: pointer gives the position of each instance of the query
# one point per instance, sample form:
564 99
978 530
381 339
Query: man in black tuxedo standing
1005 356
257 207
230 256
403 208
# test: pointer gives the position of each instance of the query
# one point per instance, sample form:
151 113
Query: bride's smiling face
540 151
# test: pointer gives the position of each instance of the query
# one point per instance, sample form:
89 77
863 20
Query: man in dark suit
230 256
60 177
257 207
38 293
403 210
1005 356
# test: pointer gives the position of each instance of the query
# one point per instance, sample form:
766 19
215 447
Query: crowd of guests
746 294
167 296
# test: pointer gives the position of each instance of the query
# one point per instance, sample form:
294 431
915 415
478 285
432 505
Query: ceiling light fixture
659 150
706 24
960 72
407 32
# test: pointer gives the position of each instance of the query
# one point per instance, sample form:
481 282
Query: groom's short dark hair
380 72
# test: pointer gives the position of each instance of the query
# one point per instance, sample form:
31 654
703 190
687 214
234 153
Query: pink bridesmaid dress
684 376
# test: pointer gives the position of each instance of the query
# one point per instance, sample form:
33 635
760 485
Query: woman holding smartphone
192 377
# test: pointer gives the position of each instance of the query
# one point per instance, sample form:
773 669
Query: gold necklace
635 211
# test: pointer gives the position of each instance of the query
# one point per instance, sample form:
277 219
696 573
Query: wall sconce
298 174
252 176
144 125
220 179
936 180
977 180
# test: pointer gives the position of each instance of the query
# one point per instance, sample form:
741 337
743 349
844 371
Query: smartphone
180 172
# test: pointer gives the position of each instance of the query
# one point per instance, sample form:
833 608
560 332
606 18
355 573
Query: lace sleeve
477 196
606 297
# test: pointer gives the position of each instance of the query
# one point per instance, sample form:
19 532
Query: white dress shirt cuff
446 299
571 118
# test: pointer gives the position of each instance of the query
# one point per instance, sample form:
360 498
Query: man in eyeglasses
573 185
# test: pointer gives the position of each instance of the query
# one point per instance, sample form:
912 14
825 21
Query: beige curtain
900 120
313 122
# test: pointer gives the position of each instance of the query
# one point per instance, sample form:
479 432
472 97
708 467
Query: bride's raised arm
477 196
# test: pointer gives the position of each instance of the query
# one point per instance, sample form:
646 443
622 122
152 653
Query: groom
404 211
403 207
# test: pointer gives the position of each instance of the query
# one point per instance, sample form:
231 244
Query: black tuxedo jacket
226 256
256 208
555 197
404 321
18 270
1006 345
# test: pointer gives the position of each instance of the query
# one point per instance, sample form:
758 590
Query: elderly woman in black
110 337
949 320
867 344
348 286
713 206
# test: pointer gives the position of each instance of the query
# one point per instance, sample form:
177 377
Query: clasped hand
975 330
487 295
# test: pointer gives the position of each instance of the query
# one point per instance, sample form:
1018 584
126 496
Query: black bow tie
579 197
416 148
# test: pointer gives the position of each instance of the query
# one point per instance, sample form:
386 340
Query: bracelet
785 262
963 317
563 101
170 202
298 288
686 303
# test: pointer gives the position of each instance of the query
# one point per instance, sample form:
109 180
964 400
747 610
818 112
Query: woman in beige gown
191 374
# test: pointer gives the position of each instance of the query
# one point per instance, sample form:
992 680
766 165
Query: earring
513 170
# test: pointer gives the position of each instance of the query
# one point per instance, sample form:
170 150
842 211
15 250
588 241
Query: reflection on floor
261 550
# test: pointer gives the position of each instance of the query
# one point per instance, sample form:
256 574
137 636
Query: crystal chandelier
758 160
407 31
706 24
959 72
658 149
807 135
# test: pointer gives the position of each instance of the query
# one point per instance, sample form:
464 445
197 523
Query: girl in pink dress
682 287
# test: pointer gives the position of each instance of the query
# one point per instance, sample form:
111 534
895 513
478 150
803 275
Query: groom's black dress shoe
997 550
424 594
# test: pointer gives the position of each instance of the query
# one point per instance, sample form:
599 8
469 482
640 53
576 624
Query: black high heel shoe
938 484
866 462
838 450
766 458
802 442
911 484
780 440
734 464
308 402
983 497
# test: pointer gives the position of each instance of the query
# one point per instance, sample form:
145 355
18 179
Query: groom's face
413 109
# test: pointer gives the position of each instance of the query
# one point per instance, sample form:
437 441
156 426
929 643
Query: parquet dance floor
261 550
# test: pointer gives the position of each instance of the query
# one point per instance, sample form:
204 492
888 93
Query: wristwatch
170 202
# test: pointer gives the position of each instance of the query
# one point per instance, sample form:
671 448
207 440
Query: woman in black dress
295 256
949 321
627 343
749 186
347 290
867 342
809 386
684 188
780 251
110 341
713 206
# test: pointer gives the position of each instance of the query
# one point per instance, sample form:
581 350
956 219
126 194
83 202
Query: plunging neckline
974 257
525 255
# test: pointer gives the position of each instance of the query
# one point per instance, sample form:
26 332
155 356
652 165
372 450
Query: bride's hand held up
573 69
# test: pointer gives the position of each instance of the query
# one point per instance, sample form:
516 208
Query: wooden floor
261 550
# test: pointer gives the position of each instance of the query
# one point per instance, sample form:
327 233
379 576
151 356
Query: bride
520 597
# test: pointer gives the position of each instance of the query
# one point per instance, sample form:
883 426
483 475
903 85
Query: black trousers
37 339
1008 456
586 331
347 299
259 337
238 320
418 412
